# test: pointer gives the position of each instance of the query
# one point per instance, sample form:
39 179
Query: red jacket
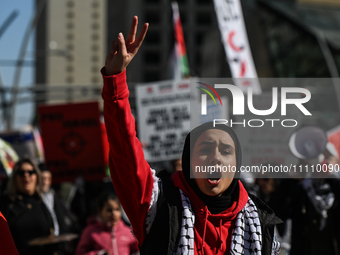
98 236
133 181
7 245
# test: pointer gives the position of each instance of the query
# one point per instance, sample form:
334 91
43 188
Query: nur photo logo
204 97
297 97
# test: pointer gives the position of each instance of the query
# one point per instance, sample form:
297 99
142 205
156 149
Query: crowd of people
170 212
34 220
31 209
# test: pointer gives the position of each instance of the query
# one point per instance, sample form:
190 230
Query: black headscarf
215 204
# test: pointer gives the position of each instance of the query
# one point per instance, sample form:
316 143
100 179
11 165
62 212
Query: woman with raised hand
177 214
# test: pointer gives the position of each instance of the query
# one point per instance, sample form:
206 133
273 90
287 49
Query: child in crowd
106 233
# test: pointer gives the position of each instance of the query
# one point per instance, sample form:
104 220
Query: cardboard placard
73 141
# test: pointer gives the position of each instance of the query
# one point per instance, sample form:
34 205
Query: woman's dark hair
12 188
43 168
103 198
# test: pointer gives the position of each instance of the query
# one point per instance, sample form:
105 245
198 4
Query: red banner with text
74 141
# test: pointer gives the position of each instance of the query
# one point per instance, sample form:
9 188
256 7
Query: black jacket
306 236
28 218
164 234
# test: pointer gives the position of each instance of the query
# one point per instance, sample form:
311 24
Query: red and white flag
236 45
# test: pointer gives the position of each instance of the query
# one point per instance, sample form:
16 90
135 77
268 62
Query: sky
10 44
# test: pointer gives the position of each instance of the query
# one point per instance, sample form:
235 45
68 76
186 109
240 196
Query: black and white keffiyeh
186 241
247 234
246 237
321 196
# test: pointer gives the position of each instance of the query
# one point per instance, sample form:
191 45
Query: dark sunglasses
22 172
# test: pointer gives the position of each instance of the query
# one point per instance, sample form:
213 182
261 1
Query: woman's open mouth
214 178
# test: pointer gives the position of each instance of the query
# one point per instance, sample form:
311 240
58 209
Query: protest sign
73 141
163 110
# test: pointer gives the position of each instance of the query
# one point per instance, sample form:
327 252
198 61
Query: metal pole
3 100
20 61
3 28
330 63
7 22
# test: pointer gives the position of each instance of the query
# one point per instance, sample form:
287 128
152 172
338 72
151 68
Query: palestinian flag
181 53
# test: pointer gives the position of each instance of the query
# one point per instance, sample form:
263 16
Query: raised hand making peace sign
122 52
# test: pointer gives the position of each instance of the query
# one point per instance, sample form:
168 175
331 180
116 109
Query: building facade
70 50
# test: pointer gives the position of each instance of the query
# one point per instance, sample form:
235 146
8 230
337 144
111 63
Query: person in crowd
28 217
174 213
82 198
273 192
177 165
312 204
106 233
6 240
313 207
64 221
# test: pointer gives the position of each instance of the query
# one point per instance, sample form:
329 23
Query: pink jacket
99 237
